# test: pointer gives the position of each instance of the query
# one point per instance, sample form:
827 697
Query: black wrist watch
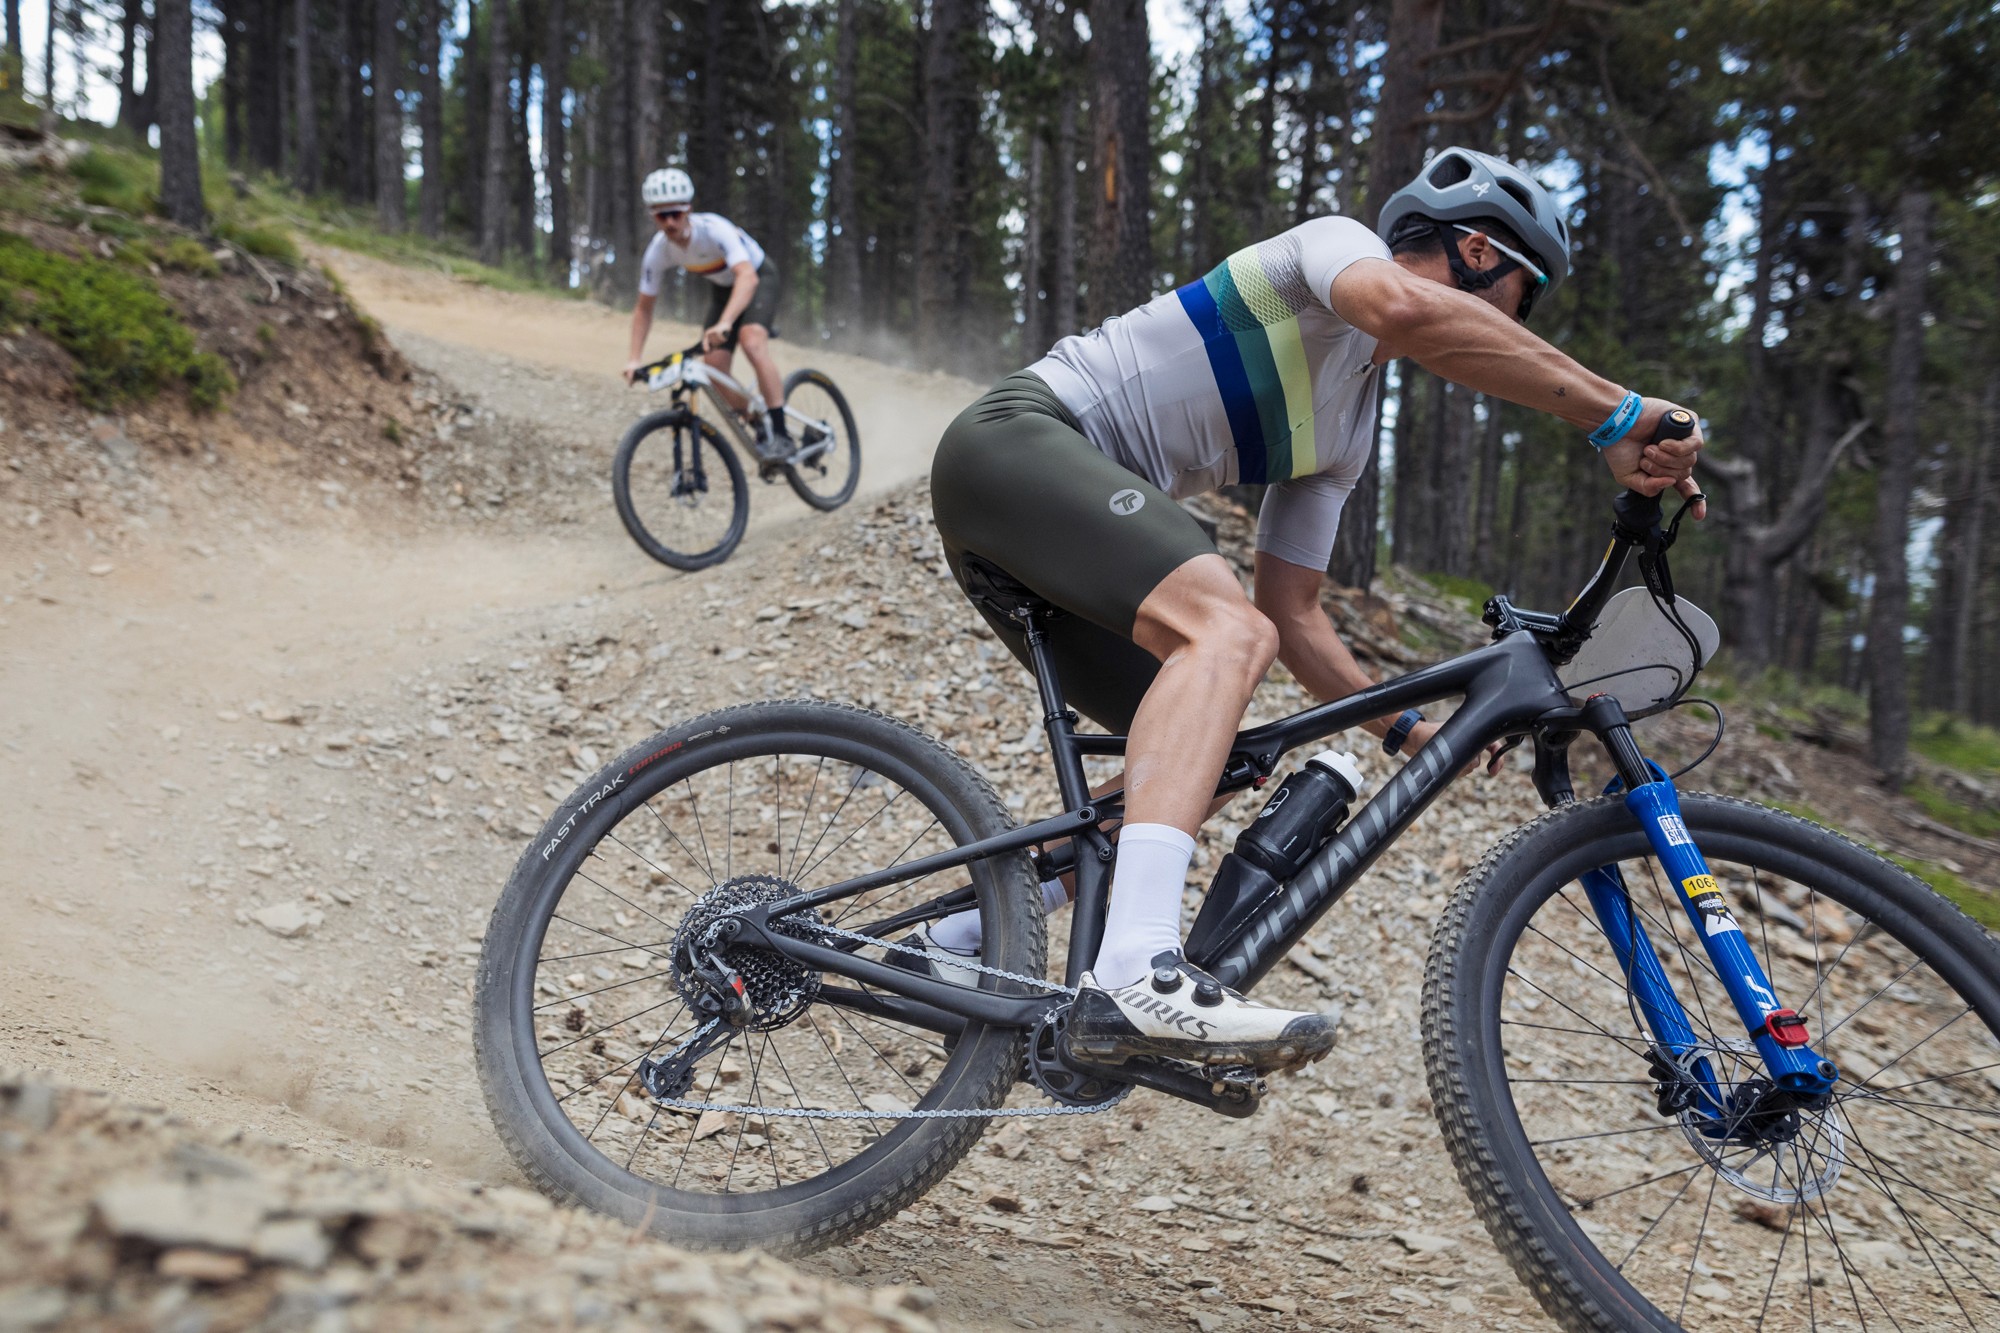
1400 732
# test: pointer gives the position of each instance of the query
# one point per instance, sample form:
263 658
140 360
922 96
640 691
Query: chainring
779 990
1056 1080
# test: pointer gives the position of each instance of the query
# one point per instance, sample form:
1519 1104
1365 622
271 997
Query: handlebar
1636 522
643 372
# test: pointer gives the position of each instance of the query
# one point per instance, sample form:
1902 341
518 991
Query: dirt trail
903 412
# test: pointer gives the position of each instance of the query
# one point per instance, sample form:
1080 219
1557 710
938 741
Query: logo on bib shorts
1128 501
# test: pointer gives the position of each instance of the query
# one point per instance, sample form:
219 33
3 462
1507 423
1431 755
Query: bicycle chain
817 1113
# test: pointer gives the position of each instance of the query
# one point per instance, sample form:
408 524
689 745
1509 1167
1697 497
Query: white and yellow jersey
713 251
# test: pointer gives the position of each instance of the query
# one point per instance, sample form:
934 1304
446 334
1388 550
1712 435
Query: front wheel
829 447
1623 1207
680 490
829 1111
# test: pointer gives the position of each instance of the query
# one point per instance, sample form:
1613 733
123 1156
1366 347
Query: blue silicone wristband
1399 731
1619 424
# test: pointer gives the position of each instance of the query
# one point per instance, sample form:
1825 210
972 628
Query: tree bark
844 245
1486 509
1888 668
938 223
430 119
128 64
1121 67
709 154
13 39
1396 154
305 109
1062 282
493 191
359 156
555 139
478 93
264 90
386 70
648 150
180 158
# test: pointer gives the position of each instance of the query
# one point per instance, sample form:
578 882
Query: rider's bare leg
721 358
755 340
1214 649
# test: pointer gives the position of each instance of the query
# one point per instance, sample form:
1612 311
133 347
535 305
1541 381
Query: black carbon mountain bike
682 492
1698 1062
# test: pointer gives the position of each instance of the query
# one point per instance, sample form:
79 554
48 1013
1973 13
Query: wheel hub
775 989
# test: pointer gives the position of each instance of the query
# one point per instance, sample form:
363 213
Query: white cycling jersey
714 249
1243 376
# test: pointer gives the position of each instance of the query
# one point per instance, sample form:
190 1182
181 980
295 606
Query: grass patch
1468 590
261 239
1957 743
1980 823
111 178
1976 903
129 344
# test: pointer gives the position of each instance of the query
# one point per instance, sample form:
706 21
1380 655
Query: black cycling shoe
1180 1012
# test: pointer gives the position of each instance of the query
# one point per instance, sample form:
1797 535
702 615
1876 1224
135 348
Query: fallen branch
1947 832
262 272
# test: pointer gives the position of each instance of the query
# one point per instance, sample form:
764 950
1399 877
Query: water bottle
1306 810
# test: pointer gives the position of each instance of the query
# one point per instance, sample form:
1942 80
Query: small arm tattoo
1561 392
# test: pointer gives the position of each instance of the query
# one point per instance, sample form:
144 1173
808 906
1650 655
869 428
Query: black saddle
992 587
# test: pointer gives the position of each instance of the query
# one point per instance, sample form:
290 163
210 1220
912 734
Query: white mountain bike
682 492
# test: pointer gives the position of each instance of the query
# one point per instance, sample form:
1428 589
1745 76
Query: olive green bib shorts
1015 484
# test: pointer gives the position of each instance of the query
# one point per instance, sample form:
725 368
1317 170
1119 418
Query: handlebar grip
1641 512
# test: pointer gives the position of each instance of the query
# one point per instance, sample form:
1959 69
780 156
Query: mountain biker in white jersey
743 293
1267 370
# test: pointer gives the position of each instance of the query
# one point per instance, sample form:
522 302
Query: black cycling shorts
1016 484
763 307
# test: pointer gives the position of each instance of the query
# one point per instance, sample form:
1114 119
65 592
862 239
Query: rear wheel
829 445
581 985
1621 1206
680 490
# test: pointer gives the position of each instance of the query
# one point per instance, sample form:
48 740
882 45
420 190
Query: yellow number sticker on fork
1696 886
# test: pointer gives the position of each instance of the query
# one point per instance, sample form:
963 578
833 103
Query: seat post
1057 719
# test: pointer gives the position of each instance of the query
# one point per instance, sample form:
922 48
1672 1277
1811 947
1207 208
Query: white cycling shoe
1179 1012
933 958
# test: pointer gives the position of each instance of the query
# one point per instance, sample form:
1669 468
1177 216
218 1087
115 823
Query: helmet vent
1448 169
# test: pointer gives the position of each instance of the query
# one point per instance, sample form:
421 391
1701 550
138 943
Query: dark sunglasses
664 213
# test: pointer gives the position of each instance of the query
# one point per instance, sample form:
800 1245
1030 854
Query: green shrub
128 342
1949 812
267 241
1957 743
123 181
1976 903
184 254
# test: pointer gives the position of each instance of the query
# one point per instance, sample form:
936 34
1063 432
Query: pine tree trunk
555 139
430 119
1396 154
521 166
1062 284
180 159
305 113
234 62
844 246
128 64
264 92
359 155
710 153
648 150
14 33
472 184
1121 66
1486 511
1888 670
1972 548
493 189
386 69
937 207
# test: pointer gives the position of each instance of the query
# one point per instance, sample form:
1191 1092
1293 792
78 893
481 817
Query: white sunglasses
1534 269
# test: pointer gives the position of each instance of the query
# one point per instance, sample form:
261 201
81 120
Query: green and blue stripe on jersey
1249 325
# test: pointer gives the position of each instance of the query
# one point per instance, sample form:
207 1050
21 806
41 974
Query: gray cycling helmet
1463 186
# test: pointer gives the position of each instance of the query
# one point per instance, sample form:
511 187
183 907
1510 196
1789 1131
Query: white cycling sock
960 932
1144 918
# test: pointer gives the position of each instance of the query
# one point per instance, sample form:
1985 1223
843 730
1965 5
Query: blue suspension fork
1778 1032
